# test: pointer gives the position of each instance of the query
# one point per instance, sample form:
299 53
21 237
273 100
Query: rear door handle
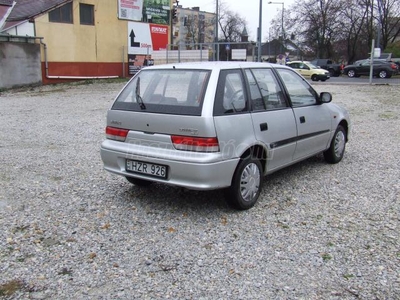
302 119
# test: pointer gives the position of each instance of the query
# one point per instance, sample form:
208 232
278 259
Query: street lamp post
259 33
378 41
283 30
216 32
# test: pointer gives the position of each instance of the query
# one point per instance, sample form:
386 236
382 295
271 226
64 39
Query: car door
305 70
301 68
312 119
273 119
364 68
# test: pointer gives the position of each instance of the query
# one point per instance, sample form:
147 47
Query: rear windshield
170 91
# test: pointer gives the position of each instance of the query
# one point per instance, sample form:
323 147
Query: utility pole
216 32
259 31
283 29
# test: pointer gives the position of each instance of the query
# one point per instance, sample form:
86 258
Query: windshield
313 66
164 91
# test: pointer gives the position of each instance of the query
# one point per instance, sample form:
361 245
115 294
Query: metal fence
244 51
239 51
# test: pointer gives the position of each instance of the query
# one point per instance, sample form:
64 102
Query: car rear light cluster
117 134
197 144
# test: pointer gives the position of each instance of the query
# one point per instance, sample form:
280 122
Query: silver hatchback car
219 125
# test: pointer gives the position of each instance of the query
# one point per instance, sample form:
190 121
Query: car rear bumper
196 174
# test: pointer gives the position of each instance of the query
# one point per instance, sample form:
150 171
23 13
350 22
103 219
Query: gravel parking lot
69 230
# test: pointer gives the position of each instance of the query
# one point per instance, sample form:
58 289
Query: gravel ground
70 230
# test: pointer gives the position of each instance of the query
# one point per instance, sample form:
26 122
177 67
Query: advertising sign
143 39
130 9
148 11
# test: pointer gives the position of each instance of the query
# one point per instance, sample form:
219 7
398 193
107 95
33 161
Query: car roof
216 65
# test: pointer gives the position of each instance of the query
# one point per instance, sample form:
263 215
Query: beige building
193 28
91 38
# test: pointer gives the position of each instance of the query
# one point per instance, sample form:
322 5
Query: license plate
146 168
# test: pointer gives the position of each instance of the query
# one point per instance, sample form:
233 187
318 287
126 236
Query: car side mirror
325 97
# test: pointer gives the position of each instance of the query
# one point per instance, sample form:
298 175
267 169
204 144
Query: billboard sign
147 11
143 39
130 9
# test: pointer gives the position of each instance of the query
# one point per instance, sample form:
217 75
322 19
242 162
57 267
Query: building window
86 13
62 14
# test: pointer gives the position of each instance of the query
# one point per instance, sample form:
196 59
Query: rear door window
231 93
171 91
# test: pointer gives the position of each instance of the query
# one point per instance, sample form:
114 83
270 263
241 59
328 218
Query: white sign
139 38
238 54
377 52
130 9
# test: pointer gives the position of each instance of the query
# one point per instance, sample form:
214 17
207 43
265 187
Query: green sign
156 11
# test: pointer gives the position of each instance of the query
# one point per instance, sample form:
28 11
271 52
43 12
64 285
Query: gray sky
248 9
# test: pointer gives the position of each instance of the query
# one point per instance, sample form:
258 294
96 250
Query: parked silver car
219 125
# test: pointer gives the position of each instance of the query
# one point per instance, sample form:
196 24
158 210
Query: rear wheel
246 184
351 73
138 182
338 144
382 74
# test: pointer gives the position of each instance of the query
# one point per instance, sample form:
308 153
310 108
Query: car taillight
117 134
394 67
198 144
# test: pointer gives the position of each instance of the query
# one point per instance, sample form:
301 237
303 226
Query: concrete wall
19 64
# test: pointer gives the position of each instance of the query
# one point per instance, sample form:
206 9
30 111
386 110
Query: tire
138 182
351 73
314 78
338 145
246 184
382 74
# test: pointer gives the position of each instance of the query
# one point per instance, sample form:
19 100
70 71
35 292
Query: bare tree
357 28
230 23
342 28
389 21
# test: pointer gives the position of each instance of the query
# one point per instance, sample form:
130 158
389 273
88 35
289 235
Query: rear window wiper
138 97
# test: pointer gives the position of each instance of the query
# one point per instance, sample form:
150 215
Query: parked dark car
327 64
381 69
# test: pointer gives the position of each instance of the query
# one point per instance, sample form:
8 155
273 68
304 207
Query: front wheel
338 144
314 77
246 184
